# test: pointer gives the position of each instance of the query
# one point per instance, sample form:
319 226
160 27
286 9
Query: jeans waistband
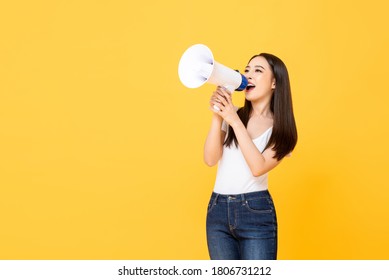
240 197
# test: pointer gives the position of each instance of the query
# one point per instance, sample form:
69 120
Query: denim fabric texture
242 226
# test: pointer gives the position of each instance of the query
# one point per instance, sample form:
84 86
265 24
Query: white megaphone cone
197 67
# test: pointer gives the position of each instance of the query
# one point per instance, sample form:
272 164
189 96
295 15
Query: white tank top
234 175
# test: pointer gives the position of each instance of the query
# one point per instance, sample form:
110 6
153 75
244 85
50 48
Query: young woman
248 143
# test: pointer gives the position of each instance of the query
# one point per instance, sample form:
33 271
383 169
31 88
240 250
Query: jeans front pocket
211 204
259 205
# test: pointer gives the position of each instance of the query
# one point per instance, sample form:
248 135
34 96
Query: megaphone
197 67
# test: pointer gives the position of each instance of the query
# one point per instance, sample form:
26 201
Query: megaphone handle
230 89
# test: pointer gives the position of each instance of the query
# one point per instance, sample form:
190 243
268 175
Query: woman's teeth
250 86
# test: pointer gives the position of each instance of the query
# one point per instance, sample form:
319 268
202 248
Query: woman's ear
273 84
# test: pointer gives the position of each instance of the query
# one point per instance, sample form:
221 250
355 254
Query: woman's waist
241 197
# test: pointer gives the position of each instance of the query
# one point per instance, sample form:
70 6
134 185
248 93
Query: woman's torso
234 175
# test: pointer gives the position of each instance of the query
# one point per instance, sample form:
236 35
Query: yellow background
101 145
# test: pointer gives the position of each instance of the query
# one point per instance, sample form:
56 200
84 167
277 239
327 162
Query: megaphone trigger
228 88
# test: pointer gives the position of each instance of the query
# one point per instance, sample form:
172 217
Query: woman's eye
257 70
246 71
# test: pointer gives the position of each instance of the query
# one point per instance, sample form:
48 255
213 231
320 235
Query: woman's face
261 81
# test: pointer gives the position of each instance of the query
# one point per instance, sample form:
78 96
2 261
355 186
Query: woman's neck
261 109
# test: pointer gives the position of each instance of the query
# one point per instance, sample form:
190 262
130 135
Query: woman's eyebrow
257 66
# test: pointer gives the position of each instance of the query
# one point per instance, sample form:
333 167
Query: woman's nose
248 76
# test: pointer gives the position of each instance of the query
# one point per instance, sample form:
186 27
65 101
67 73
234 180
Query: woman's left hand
227 109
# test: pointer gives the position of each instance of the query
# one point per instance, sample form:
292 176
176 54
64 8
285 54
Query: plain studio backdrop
101 145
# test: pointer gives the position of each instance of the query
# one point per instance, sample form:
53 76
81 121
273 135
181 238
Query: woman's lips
249 88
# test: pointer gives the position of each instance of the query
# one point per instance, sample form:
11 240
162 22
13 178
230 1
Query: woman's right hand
216 101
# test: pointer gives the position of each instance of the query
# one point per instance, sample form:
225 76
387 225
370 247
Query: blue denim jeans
242 227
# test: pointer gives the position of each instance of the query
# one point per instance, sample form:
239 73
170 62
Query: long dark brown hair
284 134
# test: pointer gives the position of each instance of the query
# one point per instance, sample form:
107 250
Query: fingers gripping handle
230 89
